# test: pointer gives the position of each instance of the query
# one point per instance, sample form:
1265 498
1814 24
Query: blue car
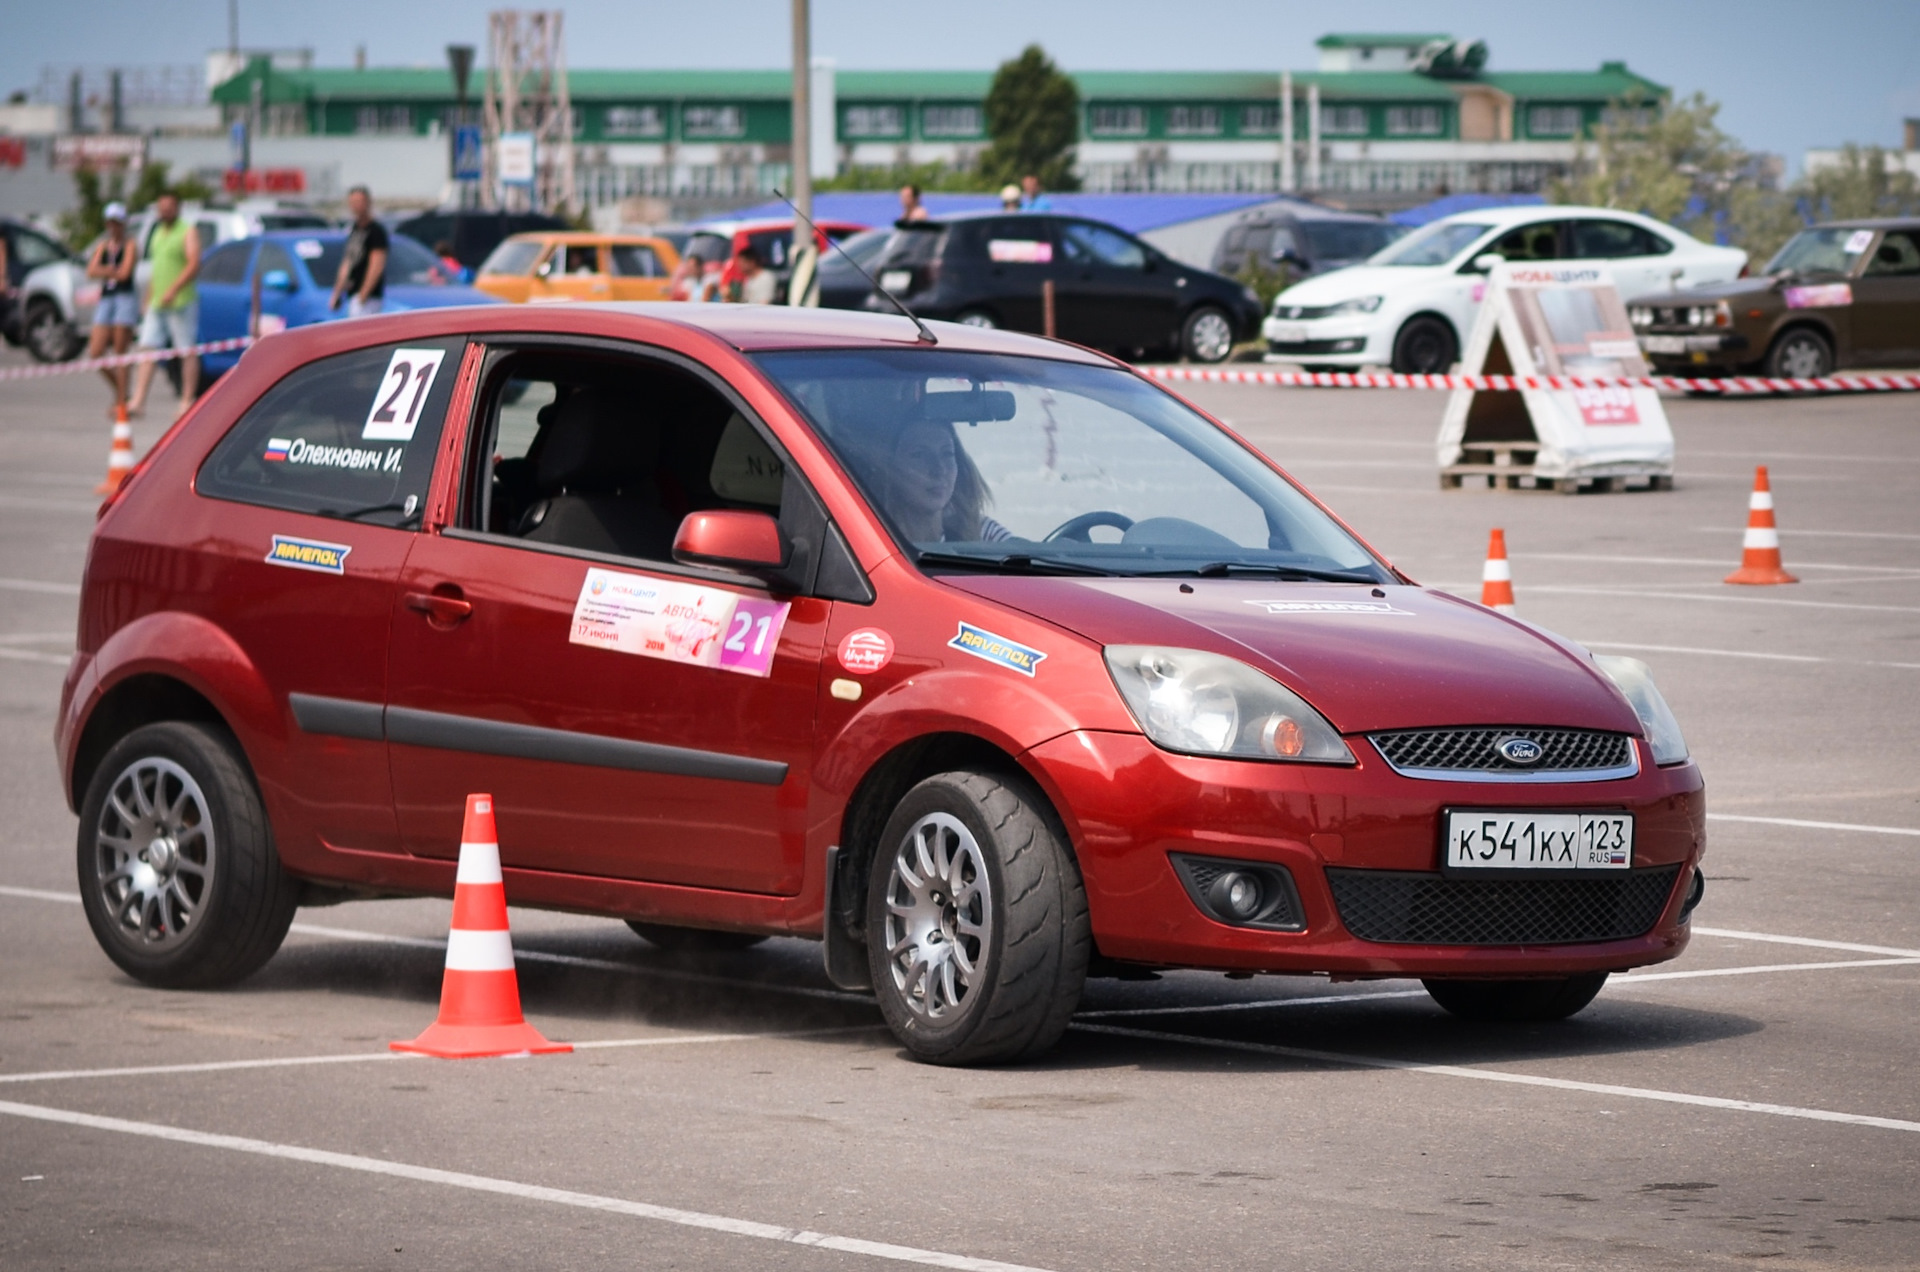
297 269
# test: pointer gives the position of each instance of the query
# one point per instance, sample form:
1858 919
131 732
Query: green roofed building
1384 117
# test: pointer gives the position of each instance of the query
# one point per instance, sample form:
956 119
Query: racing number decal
395 412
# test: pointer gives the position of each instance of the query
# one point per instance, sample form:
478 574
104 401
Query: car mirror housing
734 539
1484 263
277 279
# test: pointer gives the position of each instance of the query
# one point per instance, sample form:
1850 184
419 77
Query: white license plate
1664 344
1489 839
1288 335
896 280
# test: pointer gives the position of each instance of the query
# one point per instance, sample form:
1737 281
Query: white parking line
1501 1075
1561 589
1892 571
1746 653
37 585
1797 532
1808 941
1814 825
512 1188
33 656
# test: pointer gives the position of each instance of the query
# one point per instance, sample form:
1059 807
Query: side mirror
1287 256
277 279
733 539
1484 263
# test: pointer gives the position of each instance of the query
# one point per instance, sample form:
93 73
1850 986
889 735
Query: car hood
1355 281
1414 659
437 296
1707 293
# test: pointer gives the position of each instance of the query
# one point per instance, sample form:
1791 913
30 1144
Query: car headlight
1635 679
1208 704
1640 317
1359 305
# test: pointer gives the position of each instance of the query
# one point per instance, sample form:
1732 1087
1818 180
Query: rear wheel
1425 346
1800 354
1207 335
1516 1000
179 876
685 940
977 933
48 336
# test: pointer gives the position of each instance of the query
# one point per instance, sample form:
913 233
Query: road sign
514 153
466 153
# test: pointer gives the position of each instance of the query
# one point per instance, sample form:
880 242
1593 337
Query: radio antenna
926 333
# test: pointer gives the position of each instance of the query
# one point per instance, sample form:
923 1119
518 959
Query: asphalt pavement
1753 1101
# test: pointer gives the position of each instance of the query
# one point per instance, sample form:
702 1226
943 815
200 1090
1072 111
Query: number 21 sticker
395 412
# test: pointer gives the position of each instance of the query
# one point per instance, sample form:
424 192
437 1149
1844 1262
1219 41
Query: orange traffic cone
120 458
1496 580
1760 550
480 997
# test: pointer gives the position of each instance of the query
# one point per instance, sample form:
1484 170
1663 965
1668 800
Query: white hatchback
1412 305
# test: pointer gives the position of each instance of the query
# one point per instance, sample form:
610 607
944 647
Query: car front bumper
1679 351
1353 840
1339 341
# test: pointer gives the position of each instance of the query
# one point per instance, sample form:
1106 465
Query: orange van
546 266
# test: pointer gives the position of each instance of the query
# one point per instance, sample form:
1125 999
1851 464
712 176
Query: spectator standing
754 284
173 302
911 209
363 266
1009 198
686 278
450 264
111 265
1032 197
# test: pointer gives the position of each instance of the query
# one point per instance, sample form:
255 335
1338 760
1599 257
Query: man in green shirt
173 306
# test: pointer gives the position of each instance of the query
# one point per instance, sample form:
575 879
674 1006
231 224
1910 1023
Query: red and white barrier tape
120 359
1669 383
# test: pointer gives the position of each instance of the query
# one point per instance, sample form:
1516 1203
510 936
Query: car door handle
444 607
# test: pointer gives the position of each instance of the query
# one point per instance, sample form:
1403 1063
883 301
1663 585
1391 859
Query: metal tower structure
526 94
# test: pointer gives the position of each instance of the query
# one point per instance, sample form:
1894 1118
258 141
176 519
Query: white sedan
1412 305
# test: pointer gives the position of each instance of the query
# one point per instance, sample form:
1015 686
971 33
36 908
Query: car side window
607 454
633 260
349 436
1087 244
226 264
583 258
1897 254
1537 242
1613 240
35 250
274 257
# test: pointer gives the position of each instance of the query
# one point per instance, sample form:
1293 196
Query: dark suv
474 234
1308 240
1111 291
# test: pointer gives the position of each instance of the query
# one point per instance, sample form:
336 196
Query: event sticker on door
403 391
680 622
866 651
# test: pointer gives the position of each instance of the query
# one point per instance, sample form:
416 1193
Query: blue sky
1789 75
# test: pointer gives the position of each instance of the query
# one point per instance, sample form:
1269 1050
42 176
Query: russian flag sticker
277 449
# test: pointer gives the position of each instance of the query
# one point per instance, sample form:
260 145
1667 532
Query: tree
1033 116
1669 161
87 222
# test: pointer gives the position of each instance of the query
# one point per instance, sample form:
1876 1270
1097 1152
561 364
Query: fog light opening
1235 895
1242 893
1695 894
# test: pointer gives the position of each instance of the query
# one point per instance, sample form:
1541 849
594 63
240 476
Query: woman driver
933 491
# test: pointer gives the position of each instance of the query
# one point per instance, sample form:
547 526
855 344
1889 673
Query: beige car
549 266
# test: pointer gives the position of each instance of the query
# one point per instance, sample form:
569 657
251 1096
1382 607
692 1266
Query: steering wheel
1077 529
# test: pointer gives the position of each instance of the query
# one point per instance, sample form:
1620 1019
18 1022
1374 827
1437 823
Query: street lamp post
802 178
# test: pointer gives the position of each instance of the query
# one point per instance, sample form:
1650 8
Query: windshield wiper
1224 569
354 514
1016 562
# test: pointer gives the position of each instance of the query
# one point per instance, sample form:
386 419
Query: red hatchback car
977 655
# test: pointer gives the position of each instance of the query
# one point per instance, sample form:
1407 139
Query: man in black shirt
363 267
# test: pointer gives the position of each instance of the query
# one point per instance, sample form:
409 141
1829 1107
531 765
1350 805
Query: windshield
1435 245
515 256
407 261
1344 240
1829 250
980 461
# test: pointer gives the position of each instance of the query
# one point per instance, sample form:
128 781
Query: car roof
1871 223
580 238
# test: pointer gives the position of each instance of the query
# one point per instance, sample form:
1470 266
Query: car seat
594 477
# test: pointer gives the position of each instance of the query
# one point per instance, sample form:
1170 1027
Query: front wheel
977 932
179 876
1207 335
1425 346
1800 354
1516 1000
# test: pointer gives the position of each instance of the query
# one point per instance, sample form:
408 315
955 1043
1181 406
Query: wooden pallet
1509 466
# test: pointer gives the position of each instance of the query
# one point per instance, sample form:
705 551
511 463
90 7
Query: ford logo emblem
1519 750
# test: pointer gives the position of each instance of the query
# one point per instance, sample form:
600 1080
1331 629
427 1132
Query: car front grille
1303 311
1398 907
1470 754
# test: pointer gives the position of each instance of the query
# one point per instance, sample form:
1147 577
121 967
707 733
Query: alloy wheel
939 917
1210 338
154 854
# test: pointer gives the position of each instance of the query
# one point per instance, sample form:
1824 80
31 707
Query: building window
1632 116
874 121
1413 121
1117 121
950 121
1553 121
383 119
1259 117
714 121
1351 121
634 121
1193 121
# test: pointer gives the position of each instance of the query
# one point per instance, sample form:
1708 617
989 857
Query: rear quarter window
350 436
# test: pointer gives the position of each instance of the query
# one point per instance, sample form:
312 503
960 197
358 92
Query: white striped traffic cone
480 996
1496 580
120 458
1760 550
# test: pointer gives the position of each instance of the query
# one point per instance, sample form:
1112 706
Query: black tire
1517 1000
1800 354
1030 966
976 318
213 903
47 336
1207 335
686 940
1426 345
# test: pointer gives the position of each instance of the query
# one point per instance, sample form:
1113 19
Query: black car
474 235
1307 240
1111 291
842 285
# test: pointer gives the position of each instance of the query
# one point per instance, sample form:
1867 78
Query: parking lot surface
1753 1100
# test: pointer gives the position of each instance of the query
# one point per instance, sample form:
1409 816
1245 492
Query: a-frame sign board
1548 319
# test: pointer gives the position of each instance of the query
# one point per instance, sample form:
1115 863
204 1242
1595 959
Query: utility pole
802 150
1286 132
1313 136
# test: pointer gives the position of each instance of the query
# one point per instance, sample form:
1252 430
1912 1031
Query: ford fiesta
976 655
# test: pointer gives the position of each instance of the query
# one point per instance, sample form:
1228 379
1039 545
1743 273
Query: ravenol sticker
308 554
996 649
1329 607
